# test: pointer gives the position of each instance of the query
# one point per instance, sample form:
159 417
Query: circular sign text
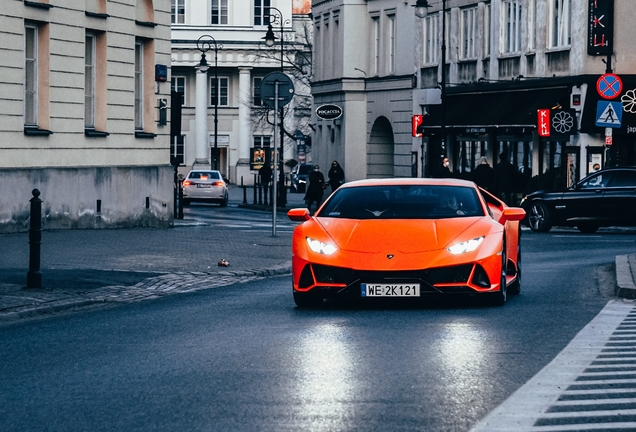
329 112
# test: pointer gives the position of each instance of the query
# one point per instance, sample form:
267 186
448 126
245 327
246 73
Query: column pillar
202 147
244 125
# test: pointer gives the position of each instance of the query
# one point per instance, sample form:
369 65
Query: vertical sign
600 26
543 122
416 121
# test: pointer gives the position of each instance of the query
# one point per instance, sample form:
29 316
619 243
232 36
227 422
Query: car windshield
205 175
304 169
403 202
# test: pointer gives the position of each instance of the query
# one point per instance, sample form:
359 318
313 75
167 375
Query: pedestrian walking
483 174
336 176
442 170
315 188
266 174
504 179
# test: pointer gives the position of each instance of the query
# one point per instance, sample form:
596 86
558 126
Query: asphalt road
244 358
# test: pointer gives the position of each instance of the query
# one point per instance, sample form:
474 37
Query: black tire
515 287
307 299
224 202
539 217
499 298
587 229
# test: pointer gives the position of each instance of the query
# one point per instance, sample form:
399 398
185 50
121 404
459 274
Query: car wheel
186 202
499 298
307 299
515 287
539 219
587 229
224 202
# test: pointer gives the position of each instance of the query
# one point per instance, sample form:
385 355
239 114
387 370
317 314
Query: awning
483 111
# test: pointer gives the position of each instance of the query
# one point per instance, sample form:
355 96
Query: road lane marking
572 392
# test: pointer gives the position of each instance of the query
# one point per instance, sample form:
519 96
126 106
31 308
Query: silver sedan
205 186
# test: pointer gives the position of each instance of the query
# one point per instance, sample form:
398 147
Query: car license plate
390 290
203 185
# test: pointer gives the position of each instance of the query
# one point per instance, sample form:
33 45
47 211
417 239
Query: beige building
504 60
225 132
83 104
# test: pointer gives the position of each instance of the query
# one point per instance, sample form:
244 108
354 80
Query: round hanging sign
329 112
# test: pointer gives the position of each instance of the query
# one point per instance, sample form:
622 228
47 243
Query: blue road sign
609 114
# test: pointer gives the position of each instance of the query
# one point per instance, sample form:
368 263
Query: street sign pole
274 194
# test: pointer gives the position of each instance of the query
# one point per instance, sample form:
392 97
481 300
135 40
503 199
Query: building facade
82 113
505 61
231 132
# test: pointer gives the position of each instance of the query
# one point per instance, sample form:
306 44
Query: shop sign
329 112
563 122
543 122
416 121
600 26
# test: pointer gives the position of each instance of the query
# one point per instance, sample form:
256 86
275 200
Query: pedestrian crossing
590 386
235 219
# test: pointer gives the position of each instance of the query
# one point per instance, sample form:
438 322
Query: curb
66 304
625 286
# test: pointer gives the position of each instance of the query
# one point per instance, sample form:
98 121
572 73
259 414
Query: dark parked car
299 176
604 198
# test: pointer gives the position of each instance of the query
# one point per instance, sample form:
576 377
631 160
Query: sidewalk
89 267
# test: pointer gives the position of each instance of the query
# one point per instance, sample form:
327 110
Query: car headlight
467 246
320 247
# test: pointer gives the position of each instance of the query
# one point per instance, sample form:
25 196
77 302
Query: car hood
407 236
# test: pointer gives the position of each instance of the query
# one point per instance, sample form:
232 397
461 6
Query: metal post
276 159
34 275
443 93
216 107
180 199
254 188
244 191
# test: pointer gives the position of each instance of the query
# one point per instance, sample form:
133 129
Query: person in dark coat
504 179
442 170
266 174
336 176
315 188
483 174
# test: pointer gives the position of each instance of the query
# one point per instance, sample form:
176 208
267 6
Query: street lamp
270 41
205 44
420 11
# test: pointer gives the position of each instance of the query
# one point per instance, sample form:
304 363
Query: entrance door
380 150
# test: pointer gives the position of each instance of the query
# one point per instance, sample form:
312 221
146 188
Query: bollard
254 188
244 191
180 199
34 276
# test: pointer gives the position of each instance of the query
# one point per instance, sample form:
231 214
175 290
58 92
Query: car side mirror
513 214
299 215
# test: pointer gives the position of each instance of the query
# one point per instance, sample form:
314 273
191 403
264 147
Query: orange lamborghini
406 238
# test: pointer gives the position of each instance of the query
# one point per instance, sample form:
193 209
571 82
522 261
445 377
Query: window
178 84
487 21
178 11
139 85
468 33
376 45
560 23
391 44
219 12
261 12
89 81
223 91
31 75
511 28
177 147
262 141
532 23
256 93
431 38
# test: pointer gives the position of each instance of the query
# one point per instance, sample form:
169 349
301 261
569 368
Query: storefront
489 119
